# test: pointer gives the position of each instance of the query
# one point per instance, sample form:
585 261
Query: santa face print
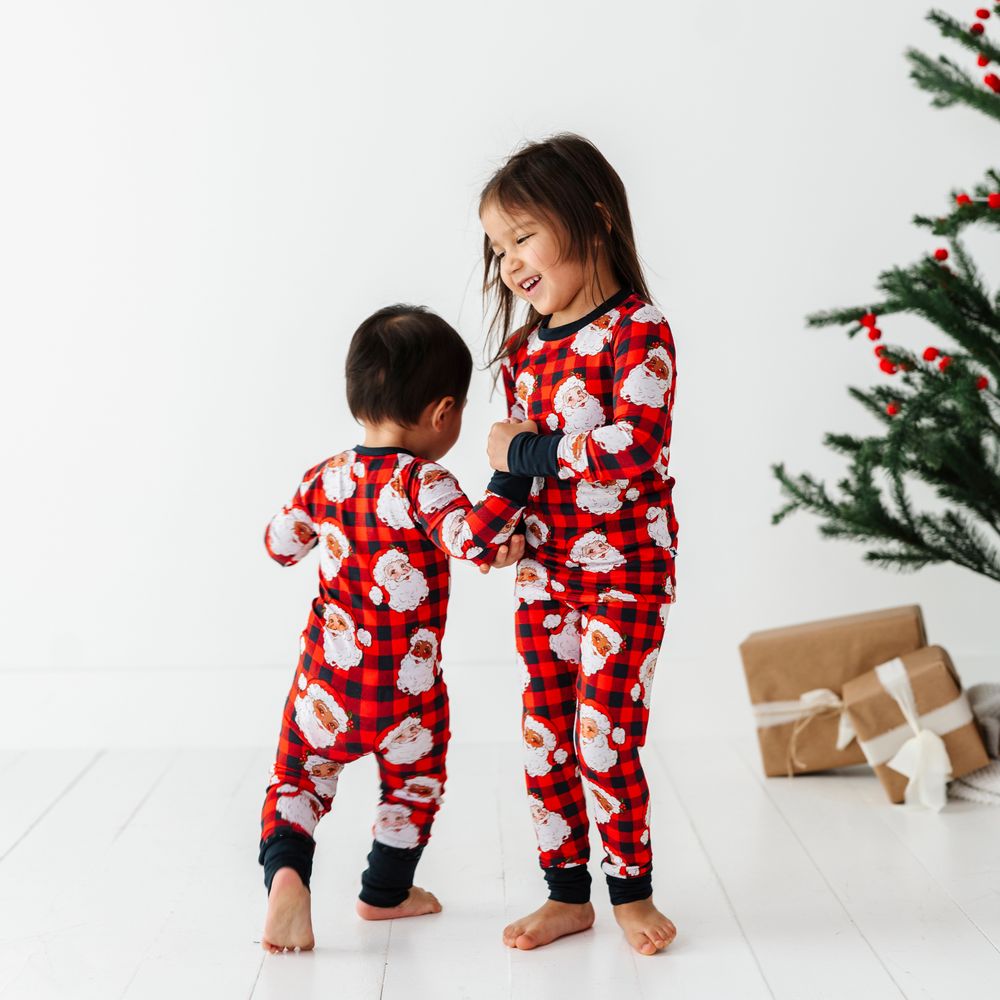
342 641
536 531
407 742
418 667
533 581
299 808
593 553
551 828
405 586
648 383
438 488
393 506
599 498
393 826
578 409
324 774
600 641
423 788
643 688
539 744
290 532
334 548
606 805
564 637
658 526
320 717
339 476
593 731
592 338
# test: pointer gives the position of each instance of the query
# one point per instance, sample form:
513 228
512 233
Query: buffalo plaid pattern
610 389
585 717
385 523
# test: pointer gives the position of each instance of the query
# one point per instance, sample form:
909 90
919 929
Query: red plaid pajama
369 675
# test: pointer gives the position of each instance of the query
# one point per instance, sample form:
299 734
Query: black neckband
379 452
558 332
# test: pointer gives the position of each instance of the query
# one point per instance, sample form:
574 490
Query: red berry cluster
868 320
991 79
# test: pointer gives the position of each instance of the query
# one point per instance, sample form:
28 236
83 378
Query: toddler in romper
385 517
589 379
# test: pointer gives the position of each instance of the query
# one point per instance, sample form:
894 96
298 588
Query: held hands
501 435
507 554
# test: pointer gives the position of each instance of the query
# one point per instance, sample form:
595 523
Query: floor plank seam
146 797
819 871
385 963
256 979
52 804
715 873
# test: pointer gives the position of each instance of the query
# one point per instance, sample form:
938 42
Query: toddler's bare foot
646 929
419 902
289 914
550 921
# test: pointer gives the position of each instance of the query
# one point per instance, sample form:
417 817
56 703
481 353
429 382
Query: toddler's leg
411 756
620 647
548 644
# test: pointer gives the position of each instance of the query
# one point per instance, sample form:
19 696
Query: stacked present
863 688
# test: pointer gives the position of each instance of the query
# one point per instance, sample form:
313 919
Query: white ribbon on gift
820 701
916 749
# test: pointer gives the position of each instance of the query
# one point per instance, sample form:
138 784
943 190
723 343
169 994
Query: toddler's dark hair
401 359
562 179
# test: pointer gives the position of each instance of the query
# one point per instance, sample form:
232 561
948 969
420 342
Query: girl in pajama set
589 381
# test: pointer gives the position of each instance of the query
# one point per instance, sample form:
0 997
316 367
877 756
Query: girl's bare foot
550 921
419 902
289 914
646 929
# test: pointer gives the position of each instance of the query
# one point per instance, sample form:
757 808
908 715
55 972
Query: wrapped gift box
941 707
783 664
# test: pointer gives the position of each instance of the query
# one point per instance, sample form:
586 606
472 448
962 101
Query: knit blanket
983 785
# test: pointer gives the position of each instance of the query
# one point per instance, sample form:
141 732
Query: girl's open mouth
529 285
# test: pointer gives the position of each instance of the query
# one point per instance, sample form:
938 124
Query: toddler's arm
291 533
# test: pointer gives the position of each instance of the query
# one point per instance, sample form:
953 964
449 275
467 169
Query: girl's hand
501 435
507 554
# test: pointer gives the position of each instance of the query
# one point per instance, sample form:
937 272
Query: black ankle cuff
628 890
389 876
568 885
287 849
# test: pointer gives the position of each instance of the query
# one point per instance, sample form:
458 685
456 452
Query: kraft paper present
941 706
783 664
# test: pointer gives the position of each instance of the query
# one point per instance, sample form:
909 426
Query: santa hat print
526 383
379 565
598 715
334 615
575 380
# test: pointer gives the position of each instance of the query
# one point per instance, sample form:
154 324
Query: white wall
200 201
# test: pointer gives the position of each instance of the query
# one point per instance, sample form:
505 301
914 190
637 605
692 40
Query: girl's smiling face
534 266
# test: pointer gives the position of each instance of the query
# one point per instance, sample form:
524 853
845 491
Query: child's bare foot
289 915
646 929
419 902
550 921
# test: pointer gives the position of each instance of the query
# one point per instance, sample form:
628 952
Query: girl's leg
411 756
548 645
619 648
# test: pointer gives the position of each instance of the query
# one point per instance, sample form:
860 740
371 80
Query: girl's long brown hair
563 179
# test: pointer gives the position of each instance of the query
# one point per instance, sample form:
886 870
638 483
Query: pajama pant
333 716
587 672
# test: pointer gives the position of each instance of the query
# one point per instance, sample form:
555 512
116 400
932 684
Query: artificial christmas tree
942 422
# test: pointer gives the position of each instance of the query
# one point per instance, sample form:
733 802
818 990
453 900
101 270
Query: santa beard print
334 548
605 804
340 476
393 506
393 826
659 528
324 774
594 554
644 686
662 460
551 828
299 807
522 671
456 535
580 411
319 715
290 533
648 383
600 498
419 666
539 742
644 839
592 338
533 582
566 642
593 729
616 867
612 596
342 640
422 788
536 531
395 575
407 742
648 314
599 642
438 488
614 438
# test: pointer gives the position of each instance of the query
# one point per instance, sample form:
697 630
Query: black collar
546 332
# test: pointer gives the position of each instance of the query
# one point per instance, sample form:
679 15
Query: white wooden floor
134 874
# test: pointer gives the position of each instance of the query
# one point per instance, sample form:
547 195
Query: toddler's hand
507 554
501 435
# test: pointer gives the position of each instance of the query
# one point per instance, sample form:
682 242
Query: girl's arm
452 522
291 533
628 446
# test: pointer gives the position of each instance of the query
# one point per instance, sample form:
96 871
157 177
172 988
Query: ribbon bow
818 703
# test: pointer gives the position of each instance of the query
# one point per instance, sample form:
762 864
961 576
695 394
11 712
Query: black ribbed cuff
534 454
389 877
568 885
287 849
516 489
628 890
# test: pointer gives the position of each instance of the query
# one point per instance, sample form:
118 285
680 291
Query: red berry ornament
944 362
887 366
880 351
868 319
994 200
977 29
993 82
982 382
874 333
963 199
892 409
941 254
983 14
983 60
931 353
